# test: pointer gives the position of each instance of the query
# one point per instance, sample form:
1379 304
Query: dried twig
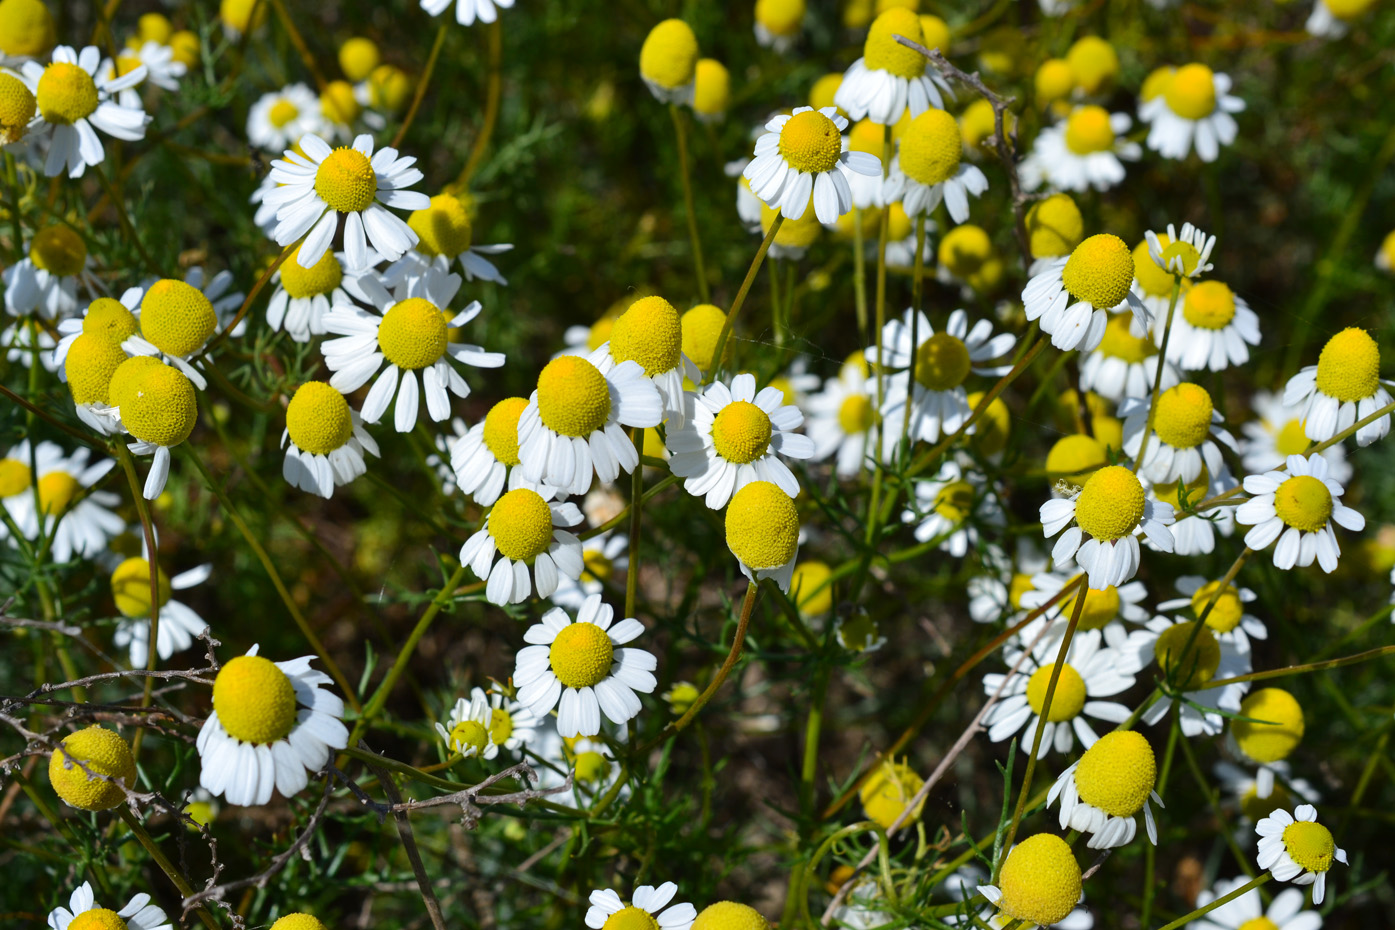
409 843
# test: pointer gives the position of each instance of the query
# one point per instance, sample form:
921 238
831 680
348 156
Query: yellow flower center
469 736
1292 439
56 491
711 87
600 333
322 278
669 55
521 524
1191 93
153 27
741 432
346 181
701 326
1258 923
762 526
942 362
867 136
1116 774
932 147
898 224
254 700
58 250
792 234
388 88
1119 342
1209 305
1111 505
298 922
1256 808
581 655
730 915
810 590
631 918
1228 611
157 404
444 228
413 334
856 414
1347 10
17 108
1053 80
1152 277
130 587
243 15
1099 609
648 333
1188 667
1155 84
955 501
14 477
338 103
1310 845
590 767
888 791
110 319
500 725
822 93
26 28
501 429
99 918
91 362
103 752
1185 251
1094 63
318 418
1069 698
1088 130
1040 881
596 566
1184 416
1303 502
991 432
187 48
780 17
200 812
810 142
882 52
1099 271
1281 730
936 32
1019 586
66 94
573 396
282 112
1349 366
358 57
176 317
1055 226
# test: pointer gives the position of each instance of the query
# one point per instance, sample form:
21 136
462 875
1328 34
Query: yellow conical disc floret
109 319
1191 93
1088 130
631 918
931 147
942 362
1184 413
255 700
318 418
856 414
669 55
1310 845
98 918
444 228
1292 439
741 432
130 587
1040 881
501 429
1156 83
822 93
1054 226
1209 305
186 47
888 791
56 491
388 88
346 180
59 250
152 27
979 125
91 362
967 252
1228 610
1120 342
176 317
648 333
500 725
935 31
1101 607
15 477
521 524
129 373
103 752
322 278
1094 63
1054 80
991 431
1111 505
26 28
730 915
1303 502
780 17
157 404
358 57
469 735
810 590
1192 665
243 15
581 655
1349 366
1075 458
1099 271
1068 699
413 333
711 87
810 142
573 396
762 526
1155 280
882 52
298 922
701 327
792 234
1274 728
65 94
1117 773
17 108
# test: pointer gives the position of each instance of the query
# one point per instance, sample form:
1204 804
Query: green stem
1301 669
421 84
719 350
859 277
681 132
1188 918
1158 375
636 510
917 293
491 107
153 563
166 866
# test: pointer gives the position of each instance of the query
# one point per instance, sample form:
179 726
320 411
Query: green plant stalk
777 324
298 41
1150 851
1201 911
917 294
169 868
636 510
1181 666
128 465
624 514
879 309
1301 669
1213 801
422 83
1157 376
719 351
1377 754
494 31
859 277
680 132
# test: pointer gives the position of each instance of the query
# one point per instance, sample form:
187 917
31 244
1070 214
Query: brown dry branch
409 842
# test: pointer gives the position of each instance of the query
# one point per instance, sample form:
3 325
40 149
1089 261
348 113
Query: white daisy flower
1102 792
1186 434
1343 387
277 120
404 336
1038 886
156 404
1074 296
524 528
1108 514
803 155
600 554
668 62
762 530
1194 107
18 341
1105 608
581 663
324 440
841 417
481 459
1285 912
1331 19
1195 533
319 186
468 11
46 280
469 731
1214 330
75 99
1296 848
890 78
1208 658
736 436
650 334
179 623
176 321
998 589
1297 509
265 215
1124 365
445 235
257 738
162 68
76 520
303 297
1186 253
138 914
929 167
1228 619
954 505
1256 794
650 907
1086 150
1279 433
511 724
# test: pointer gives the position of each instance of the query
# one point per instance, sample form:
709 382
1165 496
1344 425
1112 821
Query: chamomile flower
89 353
1103 791
590 762
264 217
218 289
1086 150
650 334
890 78
1194 107
162 66
573 426
304 296
1190 658
323 184
76 520
1343 387
481 458
445 233
778 23
1054 228
179 623
582 663
524 529
46 280
28 31
928 168
954 505
82 910
711 91
278 119
1332 18
1285 912
1296 848
1073 297
1185 254
1255 795
511 724
1228 618
803 155
1107 514
1105 608
1279 433
154 403
1124 365
1195 533
650 907
1297 509
737 436
1214 330
324 440
668 61
406 335
1268 730
76 98
1186 436
468 11
468 732
271 722
176 321
1039 884
1091 671
762 530
841 417
600 554
930 375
